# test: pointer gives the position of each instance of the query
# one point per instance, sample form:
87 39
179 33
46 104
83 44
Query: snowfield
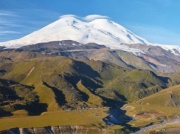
90 29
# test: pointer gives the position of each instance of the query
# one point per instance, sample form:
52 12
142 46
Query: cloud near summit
86 18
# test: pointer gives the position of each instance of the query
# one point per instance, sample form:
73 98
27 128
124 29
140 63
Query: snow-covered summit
93 28
90 29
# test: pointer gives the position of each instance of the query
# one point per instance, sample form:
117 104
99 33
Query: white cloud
94 16
8 24
86 18
7 14
24 21
8 32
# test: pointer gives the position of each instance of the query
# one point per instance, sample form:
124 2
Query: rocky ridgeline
54 130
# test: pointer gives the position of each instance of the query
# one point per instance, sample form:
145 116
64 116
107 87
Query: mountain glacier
90 29
93 28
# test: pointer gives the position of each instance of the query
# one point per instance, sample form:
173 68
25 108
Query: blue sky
157 21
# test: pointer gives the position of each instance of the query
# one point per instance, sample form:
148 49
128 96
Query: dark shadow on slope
59 96
89 77
86 81
83 95
7 94
120 59
73 80
89 84
163 79
7 82
86 70
121 97
36 108
2 72
14 100
117 116
4 113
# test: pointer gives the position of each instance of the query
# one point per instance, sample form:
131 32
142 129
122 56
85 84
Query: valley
92 118
79 91
90 80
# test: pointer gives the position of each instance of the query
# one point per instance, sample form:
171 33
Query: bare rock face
54 130
149 57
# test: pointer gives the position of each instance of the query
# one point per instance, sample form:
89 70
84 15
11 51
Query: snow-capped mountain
93 28
90 29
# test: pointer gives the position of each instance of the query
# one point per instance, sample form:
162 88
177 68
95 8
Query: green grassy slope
15 96
54 78
155 108
89 118
132 60
126 84
62 83
169 97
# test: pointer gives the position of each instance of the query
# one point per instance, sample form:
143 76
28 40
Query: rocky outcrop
54 130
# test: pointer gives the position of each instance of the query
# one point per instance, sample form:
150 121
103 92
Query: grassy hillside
175 78
75 84
89 118
125 84
108 56
155 108
169 97
16 96
92 99
133 61
50 85
55 77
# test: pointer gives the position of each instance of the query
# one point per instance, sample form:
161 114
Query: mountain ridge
90 29
99 30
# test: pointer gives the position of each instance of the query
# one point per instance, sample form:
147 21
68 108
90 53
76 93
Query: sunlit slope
63 83
131 84
15 96
169 97
54 78
155 108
